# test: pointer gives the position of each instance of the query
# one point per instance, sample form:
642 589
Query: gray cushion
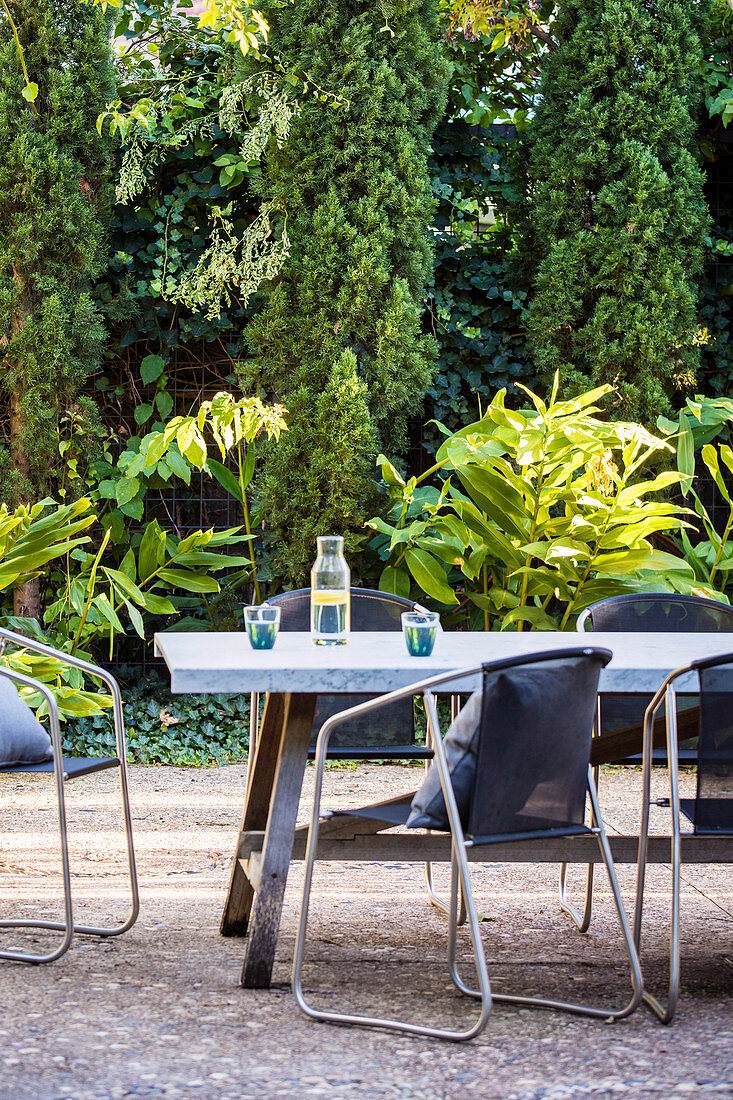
461 745
23 740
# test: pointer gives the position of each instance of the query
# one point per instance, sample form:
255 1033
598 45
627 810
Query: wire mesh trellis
194 373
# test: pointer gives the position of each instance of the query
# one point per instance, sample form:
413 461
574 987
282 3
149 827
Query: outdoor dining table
295 671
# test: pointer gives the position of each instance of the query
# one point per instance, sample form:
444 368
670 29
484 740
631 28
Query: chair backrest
370 610
714 801
534 744
663 612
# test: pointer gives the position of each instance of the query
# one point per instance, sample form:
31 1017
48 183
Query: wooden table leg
274 782
260 780
278 845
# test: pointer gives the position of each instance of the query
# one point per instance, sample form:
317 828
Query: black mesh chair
363 738
65 769
525 778
653 612
710 812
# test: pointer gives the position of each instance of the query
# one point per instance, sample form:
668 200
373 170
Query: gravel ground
160 1013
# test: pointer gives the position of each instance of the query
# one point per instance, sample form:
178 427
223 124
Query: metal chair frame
665 695
459 876
433 896
582 922
67 926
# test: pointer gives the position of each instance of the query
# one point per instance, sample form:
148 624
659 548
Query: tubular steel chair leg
580 1010
68 923
644 822
665 1014
67 926
582 923
460 857
440 905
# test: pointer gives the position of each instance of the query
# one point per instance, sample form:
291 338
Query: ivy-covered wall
715 376
475 304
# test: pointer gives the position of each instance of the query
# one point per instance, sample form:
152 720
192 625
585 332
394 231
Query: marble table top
379 662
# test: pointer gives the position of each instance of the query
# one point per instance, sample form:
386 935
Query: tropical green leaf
189 581
636 492
535 616
685 453
143 413
164 403
159 605
226 478
108 612
710 458
497 499
389 473
123 583
152 550
155 446
202 559
126 489
178 464
499 544
429 575
136 619
632 561
396 581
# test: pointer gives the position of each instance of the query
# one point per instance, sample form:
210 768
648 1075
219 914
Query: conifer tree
616 210
339 340
55 192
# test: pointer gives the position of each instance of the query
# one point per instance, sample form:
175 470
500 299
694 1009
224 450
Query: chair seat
718 808
391 813
397 814
74 766
376 752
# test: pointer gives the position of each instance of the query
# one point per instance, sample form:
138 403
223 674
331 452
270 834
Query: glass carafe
330 589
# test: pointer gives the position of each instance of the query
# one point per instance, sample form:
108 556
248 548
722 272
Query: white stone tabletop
378 662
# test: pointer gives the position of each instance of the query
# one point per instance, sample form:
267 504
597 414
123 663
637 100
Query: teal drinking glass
420 629
262 625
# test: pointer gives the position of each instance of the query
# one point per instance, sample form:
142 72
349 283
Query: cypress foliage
339 340
616 209
55 194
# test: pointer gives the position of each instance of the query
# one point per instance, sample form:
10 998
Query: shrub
543 511
344 319
616 208
55 196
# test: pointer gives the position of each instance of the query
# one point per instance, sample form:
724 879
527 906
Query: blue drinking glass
420 629
262 625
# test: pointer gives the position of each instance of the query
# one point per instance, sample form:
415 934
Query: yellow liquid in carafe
329 616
